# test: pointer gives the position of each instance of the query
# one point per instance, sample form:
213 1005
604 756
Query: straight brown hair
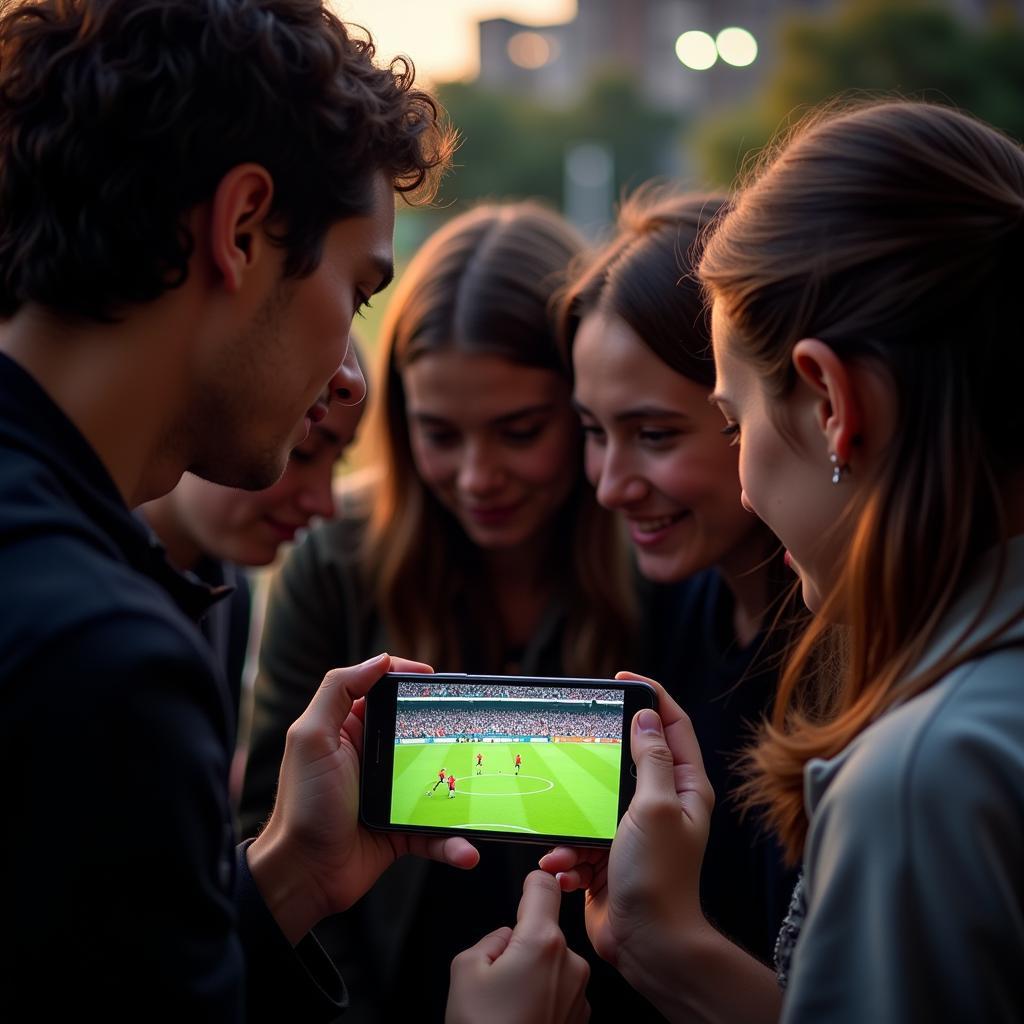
894 232
484 283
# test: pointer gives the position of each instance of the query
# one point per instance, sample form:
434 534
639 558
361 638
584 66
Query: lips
654 525
652 530
284 531
491 514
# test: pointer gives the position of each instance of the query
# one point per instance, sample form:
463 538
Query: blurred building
553 63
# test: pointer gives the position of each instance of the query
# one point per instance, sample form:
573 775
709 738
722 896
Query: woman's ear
839 410
239 210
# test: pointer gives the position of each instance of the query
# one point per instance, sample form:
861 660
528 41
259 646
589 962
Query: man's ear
839 409
239 211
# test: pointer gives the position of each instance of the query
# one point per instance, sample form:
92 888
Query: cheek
434 466
702 471
552 468
327 317
593 461
554 458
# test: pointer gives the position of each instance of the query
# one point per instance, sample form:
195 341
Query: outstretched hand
522 975
314 858
646 888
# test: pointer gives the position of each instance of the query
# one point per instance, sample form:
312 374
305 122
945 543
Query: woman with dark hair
634 322
476 546
866 323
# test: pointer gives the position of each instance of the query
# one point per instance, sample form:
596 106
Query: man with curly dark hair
195 196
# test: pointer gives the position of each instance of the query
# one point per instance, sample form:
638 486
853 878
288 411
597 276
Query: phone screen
488 755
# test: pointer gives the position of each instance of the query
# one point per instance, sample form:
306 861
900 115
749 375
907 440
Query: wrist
668 963
694 973
295 903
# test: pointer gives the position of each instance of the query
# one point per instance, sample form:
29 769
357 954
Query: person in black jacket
195 196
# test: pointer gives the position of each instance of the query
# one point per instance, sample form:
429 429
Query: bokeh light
736 46
530 50
696 50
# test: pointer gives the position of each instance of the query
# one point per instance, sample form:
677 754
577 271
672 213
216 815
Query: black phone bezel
379 752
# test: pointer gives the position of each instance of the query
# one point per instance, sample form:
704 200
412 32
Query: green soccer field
567 789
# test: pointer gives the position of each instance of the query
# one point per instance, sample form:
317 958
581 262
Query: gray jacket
914 866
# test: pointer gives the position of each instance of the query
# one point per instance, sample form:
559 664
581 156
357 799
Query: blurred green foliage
514 147
912 48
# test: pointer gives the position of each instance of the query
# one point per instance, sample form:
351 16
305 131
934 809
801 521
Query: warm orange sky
440 35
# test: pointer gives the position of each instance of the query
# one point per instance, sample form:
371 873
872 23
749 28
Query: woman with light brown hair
476 546
638 335
866 322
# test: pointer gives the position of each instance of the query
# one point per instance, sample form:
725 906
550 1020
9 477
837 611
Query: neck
745 571
121 384
520 583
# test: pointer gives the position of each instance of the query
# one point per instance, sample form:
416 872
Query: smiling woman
478 547
634 322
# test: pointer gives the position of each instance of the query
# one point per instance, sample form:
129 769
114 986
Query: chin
668 568
495 540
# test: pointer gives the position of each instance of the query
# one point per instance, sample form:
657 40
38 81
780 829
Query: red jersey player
451 787
479 764
519 761
440 782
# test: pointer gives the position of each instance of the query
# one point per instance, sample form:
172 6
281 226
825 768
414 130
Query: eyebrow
640 412
508 417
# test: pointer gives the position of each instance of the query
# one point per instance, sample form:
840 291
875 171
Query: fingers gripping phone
524 759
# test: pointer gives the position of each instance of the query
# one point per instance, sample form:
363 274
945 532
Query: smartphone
516 758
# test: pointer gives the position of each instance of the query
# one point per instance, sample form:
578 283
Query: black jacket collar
45 455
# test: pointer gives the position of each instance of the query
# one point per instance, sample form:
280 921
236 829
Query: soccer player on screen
440 782
479 764
519 761
451 787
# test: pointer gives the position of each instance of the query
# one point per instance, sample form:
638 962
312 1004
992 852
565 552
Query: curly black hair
117 117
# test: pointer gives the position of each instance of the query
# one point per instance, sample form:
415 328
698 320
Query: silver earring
838 468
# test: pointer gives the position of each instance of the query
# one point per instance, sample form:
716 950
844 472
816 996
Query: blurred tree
515 148
912 48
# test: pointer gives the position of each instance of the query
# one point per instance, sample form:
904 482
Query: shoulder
951 755
61 585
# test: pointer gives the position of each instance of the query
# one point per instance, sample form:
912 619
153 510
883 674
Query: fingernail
375 660
648 721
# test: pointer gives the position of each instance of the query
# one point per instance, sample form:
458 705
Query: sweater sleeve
915 864
282 983
313 624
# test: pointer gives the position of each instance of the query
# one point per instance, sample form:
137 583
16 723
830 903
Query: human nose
347 385
479 471
618 484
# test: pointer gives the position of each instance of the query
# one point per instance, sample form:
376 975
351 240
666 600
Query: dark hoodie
124 887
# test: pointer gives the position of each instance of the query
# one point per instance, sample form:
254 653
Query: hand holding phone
524 759
647 887
314 858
